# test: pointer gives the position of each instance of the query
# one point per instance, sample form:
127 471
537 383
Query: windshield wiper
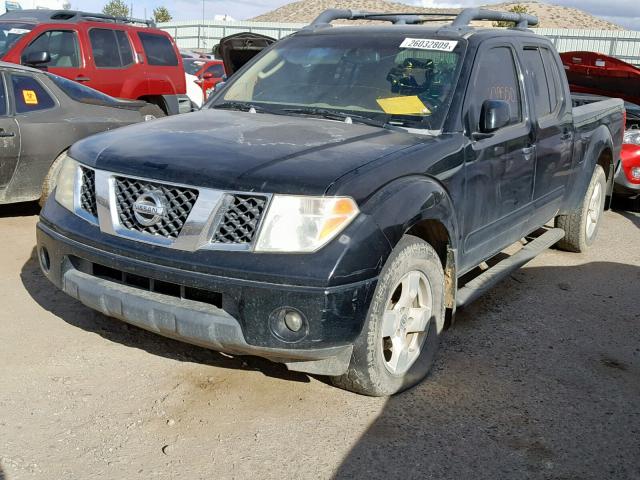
241 106
335 115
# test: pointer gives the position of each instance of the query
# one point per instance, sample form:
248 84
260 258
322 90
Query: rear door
38 114
499 169
9 139
112 60
553 129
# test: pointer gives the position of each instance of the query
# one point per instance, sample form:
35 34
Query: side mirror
494 115
207 75
37 58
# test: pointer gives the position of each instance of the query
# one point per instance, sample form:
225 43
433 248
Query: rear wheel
582 225
397 346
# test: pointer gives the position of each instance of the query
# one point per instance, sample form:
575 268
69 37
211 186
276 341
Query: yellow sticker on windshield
411 105
30 97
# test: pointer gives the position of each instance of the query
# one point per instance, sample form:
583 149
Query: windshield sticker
411 105
18 31
30 97
426 44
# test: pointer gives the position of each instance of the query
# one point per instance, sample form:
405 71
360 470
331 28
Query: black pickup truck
329 207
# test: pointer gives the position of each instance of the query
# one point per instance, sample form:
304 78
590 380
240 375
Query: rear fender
593 147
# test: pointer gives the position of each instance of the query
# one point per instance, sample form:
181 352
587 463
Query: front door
9 140
499 168
64 49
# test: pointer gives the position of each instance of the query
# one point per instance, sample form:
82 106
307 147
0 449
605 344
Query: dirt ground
539 379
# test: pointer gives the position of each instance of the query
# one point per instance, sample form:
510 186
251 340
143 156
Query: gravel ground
539 379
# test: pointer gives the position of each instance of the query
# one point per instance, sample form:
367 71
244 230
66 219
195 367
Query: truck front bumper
227 315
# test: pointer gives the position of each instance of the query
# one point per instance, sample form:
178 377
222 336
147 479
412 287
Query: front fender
408 201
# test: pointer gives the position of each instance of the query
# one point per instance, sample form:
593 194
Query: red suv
107 53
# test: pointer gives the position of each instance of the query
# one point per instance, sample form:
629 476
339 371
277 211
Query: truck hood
232 150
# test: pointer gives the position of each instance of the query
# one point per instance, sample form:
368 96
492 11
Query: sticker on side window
30 97
426 44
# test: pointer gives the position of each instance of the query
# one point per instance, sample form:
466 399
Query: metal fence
204 36
623 44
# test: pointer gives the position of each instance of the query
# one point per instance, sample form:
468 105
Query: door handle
82 79
528 152
5 134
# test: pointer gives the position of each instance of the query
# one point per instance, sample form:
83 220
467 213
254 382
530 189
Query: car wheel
582 225
49 182
399 341
151 111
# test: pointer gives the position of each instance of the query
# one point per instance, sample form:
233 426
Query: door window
62 46
553 78
217 70
158 49
537 75
496 78
111 48
30 95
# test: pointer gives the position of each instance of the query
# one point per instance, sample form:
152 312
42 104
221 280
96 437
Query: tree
116 8
161 15
514 9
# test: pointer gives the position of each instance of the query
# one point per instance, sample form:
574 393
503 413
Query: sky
621 12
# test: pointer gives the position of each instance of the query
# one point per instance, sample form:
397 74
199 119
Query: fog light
635 173
289 324
293 320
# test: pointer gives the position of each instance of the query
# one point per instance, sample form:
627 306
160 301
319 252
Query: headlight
66 183
632 136
304 224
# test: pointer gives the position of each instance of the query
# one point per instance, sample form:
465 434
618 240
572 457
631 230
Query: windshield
192 66
402 81
81 93
10 33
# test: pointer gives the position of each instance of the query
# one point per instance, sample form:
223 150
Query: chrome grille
240 221
180 202
88 191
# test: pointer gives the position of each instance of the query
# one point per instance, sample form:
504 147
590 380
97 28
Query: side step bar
487 280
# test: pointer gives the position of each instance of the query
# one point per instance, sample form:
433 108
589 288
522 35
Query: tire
152 110
371 370
49 182
582 225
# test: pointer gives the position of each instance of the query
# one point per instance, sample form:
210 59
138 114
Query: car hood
233 150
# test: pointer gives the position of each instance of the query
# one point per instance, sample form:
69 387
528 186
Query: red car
110 54
209 72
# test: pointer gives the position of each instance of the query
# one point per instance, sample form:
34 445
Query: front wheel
398 343
581 226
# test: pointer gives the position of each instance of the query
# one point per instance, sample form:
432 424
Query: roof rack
461 20
468 15
99 17
71 16
328 16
